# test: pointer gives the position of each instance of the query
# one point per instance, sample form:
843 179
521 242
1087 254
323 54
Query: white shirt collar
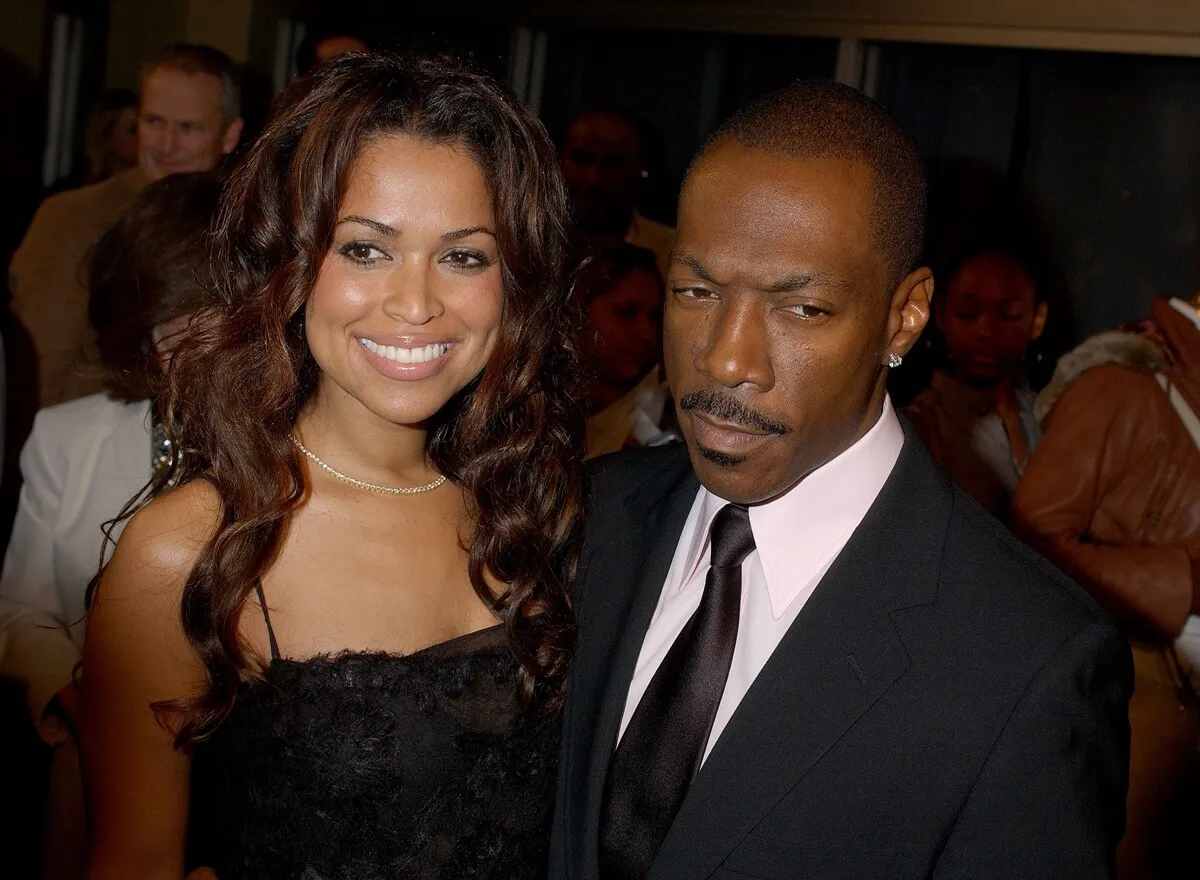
798 534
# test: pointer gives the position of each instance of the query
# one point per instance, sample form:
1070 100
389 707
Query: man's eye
693 292
807 311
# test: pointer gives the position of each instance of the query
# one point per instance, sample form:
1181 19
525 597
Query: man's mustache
729 409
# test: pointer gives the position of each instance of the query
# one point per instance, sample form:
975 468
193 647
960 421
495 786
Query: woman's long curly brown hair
512 439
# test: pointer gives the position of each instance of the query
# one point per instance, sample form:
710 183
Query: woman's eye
361 252
466 259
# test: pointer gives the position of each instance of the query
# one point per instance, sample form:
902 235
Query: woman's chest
340 765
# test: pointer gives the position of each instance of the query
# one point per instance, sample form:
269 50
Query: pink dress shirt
797 537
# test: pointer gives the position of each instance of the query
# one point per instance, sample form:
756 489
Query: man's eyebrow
694 266
790 284
381 228
794 283
460 234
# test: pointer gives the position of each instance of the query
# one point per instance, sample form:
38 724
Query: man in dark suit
803 652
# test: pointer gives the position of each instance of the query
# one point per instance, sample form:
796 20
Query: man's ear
911 305
233 134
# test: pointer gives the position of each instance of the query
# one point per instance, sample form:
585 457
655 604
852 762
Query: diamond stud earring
894 360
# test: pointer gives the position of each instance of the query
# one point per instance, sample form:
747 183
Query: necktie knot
732 538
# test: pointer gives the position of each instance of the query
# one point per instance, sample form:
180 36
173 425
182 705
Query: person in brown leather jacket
1112 496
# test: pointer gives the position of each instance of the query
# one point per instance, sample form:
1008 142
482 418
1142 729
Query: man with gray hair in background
189 119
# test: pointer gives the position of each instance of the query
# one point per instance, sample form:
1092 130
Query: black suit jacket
946 705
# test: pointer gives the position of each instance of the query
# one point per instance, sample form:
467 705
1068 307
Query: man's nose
170 139
735 351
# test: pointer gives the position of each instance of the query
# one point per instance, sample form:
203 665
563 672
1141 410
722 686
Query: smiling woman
406 309
353 607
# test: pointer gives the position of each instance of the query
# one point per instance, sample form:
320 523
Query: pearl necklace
372 487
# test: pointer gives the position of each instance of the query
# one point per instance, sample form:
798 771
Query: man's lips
721 436
722 425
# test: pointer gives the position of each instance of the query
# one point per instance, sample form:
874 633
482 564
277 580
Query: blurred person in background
189 120
110 141
977 417
1112 496
621 293
604 162
325 41
112 144
87 458
190 113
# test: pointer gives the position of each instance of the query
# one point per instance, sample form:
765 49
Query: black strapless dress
372 766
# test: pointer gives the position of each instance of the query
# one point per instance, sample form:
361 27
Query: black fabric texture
371 766
664 744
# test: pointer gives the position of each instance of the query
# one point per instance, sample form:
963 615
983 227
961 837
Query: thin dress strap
262 603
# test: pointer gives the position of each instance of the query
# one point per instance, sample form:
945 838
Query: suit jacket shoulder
946 704
984 566
613 479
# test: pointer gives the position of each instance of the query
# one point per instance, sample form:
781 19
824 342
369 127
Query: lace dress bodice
366 766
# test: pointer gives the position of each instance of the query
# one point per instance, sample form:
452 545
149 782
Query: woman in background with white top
87 458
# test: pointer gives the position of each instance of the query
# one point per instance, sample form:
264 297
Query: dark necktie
664 744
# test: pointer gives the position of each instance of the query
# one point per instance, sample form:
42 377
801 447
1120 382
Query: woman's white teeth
407 355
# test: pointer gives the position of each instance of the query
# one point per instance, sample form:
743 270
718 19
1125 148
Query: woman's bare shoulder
160 544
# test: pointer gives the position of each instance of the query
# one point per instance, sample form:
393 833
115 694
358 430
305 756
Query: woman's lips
408 362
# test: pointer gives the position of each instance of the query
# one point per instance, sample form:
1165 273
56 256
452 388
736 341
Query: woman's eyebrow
465 233
381 228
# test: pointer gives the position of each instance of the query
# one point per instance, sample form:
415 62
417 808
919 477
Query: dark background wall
679 86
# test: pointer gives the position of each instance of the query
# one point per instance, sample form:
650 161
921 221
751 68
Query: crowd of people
309 577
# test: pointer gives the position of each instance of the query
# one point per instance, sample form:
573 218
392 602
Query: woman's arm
136 783
37 644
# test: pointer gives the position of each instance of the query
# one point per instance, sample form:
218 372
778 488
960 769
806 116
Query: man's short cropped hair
820 118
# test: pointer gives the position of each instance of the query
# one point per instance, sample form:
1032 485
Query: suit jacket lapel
838 658
626 571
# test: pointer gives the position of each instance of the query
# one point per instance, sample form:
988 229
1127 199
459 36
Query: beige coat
47 277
